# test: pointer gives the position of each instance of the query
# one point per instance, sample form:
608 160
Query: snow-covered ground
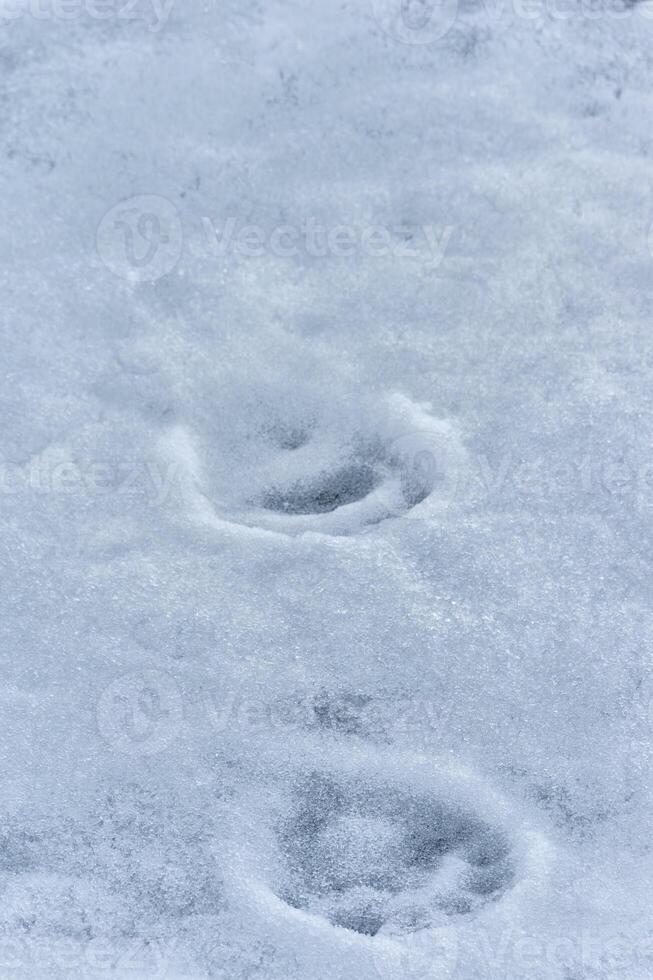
327 489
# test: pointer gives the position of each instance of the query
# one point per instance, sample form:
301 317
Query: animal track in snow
359 849
336 476
372 858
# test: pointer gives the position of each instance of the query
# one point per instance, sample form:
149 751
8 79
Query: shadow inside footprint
325 494
288 435
367 920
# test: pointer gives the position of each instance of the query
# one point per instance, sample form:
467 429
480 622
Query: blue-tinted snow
327 490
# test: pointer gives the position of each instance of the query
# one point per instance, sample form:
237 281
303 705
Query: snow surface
327 609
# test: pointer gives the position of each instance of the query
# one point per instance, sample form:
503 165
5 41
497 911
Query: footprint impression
334 475
379 859
366 850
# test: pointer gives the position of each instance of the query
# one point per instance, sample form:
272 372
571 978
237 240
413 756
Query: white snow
326 484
